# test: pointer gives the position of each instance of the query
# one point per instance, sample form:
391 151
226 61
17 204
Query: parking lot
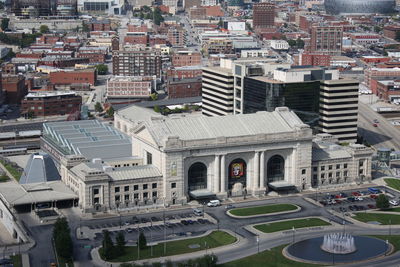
354 200
186 224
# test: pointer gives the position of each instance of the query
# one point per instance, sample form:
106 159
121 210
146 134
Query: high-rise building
137 63
326 40
339 109
263 15
217 91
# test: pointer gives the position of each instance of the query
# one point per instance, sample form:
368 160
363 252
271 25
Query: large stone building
182 157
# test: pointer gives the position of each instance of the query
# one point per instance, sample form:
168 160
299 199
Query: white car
394 202
214 203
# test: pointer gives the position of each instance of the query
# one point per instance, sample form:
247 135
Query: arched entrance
197 176
275 169
237 176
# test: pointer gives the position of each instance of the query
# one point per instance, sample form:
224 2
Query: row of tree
62 239
109 250
205 261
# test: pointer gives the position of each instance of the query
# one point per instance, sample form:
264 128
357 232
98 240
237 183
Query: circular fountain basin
310 251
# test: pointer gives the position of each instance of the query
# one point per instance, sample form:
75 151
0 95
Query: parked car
129 230
356 194
184 222
198 212
394 202
229 206
370 206
359 198
214 203
373 196
202 221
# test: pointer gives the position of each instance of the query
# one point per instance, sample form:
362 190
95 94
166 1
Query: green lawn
17 260
214 239
384 219
285 225
14 172
4 178
267 258
393 183
259 210
393 209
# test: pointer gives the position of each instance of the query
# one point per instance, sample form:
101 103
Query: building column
256 171
216 174
223 175
262 170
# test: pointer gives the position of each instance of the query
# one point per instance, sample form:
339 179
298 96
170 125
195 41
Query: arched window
197 176
276 169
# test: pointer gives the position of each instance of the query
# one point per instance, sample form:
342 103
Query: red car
356 194
370 206
373 196
338 196
375 125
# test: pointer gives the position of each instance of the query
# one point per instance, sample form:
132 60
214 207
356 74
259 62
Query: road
386 135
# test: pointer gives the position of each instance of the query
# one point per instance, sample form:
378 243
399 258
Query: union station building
181 157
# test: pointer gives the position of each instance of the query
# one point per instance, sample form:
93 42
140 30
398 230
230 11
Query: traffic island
212 240
265 210
290 224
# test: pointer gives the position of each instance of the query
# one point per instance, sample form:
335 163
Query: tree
153 96
141 15
4 23
157 17
292 43
98 107
397 37
110 112
107 246
377 29
220 23
300 43
120 243
102 69
44 29
62 239
382 202
85 27
157 109
30 114
142 241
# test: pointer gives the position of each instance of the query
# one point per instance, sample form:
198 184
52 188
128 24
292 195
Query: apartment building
137 63
326 40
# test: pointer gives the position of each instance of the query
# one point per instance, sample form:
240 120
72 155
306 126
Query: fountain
337 248
338 243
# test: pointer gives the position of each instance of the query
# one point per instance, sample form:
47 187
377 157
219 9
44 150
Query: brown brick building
93 53
14 87
181 88
326 40
137 63
263 15
186 58
68 77
176 36
184 72
306 59
391 31
51 103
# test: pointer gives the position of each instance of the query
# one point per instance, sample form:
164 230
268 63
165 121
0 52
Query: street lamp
293 233
258 244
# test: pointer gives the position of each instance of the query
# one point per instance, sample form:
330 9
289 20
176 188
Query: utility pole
258 244
151 238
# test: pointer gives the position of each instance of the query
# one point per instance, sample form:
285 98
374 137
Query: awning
201 194
281 186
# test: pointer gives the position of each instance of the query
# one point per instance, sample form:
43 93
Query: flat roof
15 194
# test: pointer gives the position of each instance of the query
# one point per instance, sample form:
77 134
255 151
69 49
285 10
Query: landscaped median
287 225
177 247
382 218
256 211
